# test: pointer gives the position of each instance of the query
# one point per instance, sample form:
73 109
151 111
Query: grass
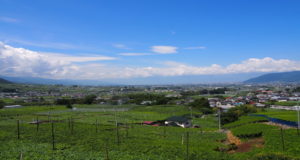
134 141
281 114
244 120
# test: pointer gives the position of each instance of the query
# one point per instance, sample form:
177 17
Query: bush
233 114
69 106
2 104
202 105
251 135
273 156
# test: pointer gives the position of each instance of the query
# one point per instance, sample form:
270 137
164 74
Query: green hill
285 77
3 81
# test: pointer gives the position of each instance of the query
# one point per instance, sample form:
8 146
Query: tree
233 114
202 104
2 104
69 106
89 99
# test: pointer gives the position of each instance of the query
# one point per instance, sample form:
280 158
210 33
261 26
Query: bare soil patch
243 146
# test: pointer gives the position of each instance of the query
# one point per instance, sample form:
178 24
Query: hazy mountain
3 81
35 80
158 80
276 77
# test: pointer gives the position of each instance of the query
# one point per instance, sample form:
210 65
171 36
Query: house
178 121
260 105
146 102
13 106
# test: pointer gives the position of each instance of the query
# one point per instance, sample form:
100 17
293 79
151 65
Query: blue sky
149 37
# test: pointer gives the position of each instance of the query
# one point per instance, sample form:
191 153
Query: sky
127 39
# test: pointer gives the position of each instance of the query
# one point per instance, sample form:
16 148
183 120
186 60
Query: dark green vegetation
276 77
281 114
2 104
115 132
278 143
202 105
98 132
287 103
3 81
233 114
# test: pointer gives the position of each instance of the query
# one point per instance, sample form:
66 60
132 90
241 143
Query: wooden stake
53 136
18 128
37 123
282 139
118 136
106 152
187 145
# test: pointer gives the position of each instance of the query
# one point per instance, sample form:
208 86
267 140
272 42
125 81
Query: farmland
281 114
90 132
93 134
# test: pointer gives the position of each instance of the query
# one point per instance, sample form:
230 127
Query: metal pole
18 128
53 139
37 123
282 139
298 107
187 145
96 125
219 119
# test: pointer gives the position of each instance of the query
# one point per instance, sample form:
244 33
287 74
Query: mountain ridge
284 77
4 81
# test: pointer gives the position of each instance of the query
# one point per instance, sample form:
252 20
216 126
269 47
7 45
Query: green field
281 114
78 136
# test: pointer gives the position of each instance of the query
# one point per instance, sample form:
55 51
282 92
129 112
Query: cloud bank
24 62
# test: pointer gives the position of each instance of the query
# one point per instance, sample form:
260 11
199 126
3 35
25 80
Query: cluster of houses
258 98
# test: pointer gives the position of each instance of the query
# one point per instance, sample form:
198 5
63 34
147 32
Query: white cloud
196 47
8 20
164 49
53 45
120 46
24 62
70 59
134 54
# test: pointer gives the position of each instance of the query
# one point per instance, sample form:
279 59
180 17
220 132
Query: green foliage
296 89
202 105
287 103
69 106
273 156
141 142
234 113
245 120
2 104
156 99
89 99
136 141
281 114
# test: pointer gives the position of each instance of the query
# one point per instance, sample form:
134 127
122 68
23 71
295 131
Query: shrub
273 156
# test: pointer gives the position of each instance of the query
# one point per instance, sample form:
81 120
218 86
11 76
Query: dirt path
233 139
243 146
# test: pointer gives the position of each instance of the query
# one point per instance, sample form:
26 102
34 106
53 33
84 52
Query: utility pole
218 104
219 119
298 114
191 110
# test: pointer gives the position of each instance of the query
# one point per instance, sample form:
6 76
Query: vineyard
116 133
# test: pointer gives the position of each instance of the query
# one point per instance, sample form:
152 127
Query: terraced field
115 132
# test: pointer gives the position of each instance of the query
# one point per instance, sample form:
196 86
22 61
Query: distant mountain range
35 80
285 77
158 80
172 80
3 81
